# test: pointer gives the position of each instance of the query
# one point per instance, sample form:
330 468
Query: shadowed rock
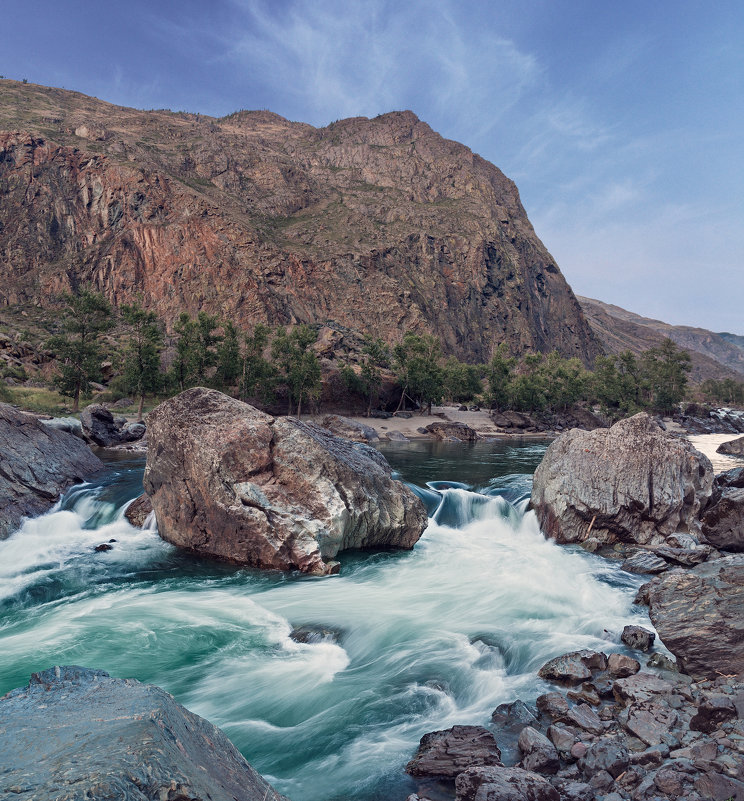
349 429
138 511
699 614
503 784
631 483
37 465
229 481
75 733
102 428
723 522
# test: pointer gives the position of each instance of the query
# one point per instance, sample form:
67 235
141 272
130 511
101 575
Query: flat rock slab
38 463
699 615
632 483
228 481
75 733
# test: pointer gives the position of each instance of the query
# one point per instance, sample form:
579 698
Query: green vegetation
86 316
141 368
298 366
417 362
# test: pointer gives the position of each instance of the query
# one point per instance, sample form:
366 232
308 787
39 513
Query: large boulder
229 481
734 447
699 615
102 428
631 483
38 464
503 784
75 733
723 521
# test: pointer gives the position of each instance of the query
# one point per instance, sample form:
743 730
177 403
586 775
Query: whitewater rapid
410 642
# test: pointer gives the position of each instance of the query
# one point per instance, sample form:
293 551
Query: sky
622 123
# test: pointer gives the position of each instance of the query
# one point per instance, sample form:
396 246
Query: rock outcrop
632 483
699 614
448 753
101 427
723 522
38 464
75 733
378 225
229 481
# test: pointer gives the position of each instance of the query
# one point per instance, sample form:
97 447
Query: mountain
377 225
713 356
734 339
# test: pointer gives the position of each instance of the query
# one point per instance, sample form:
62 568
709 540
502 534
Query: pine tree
259 375
85 318
299 366
142 355
229 361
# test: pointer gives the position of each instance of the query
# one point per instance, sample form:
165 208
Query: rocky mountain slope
379 225
713 356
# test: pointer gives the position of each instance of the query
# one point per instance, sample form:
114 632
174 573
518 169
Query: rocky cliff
375 224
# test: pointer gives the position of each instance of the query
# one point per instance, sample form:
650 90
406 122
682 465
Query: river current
398 644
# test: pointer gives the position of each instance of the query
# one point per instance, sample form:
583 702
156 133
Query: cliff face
379 225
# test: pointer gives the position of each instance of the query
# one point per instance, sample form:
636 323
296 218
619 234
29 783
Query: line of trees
260 364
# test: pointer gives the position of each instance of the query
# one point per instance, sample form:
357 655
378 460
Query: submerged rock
229 481
75 733
699 614
632 483
38 464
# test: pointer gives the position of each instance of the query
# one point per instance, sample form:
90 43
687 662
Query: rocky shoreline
606 729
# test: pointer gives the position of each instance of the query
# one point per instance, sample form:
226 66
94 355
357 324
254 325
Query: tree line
261 364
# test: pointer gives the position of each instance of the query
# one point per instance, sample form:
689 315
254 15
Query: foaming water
411 641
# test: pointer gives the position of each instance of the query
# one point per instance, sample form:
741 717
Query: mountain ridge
380 225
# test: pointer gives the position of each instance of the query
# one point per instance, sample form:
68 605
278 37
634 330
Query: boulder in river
138 511
631 483
38 464
454 432
723 521
229 481
79 733
699 615
734 447
449 752
105 430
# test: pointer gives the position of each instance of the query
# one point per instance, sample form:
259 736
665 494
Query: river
406 642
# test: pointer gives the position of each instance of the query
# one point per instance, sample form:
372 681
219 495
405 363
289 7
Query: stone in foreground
699 614
632 483
229 481
449 752
37 464
75 733
503 784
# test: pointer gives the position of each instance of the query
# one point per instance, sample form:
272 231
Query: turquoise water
416 641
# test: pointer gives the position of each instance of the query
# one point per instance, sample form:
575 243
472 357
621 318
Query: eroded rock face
37 465
699 614
723 522
632 483
118 739
229 481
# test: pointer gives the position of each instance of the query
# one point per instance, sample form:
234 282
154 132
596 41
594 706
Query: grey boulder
734 447
38 464
75 733
102 428
631 483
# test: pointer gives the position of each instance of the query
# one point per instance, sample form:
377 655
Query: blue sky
622 123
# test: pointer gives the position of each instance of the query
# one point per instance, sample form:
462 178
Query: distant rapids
408 642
